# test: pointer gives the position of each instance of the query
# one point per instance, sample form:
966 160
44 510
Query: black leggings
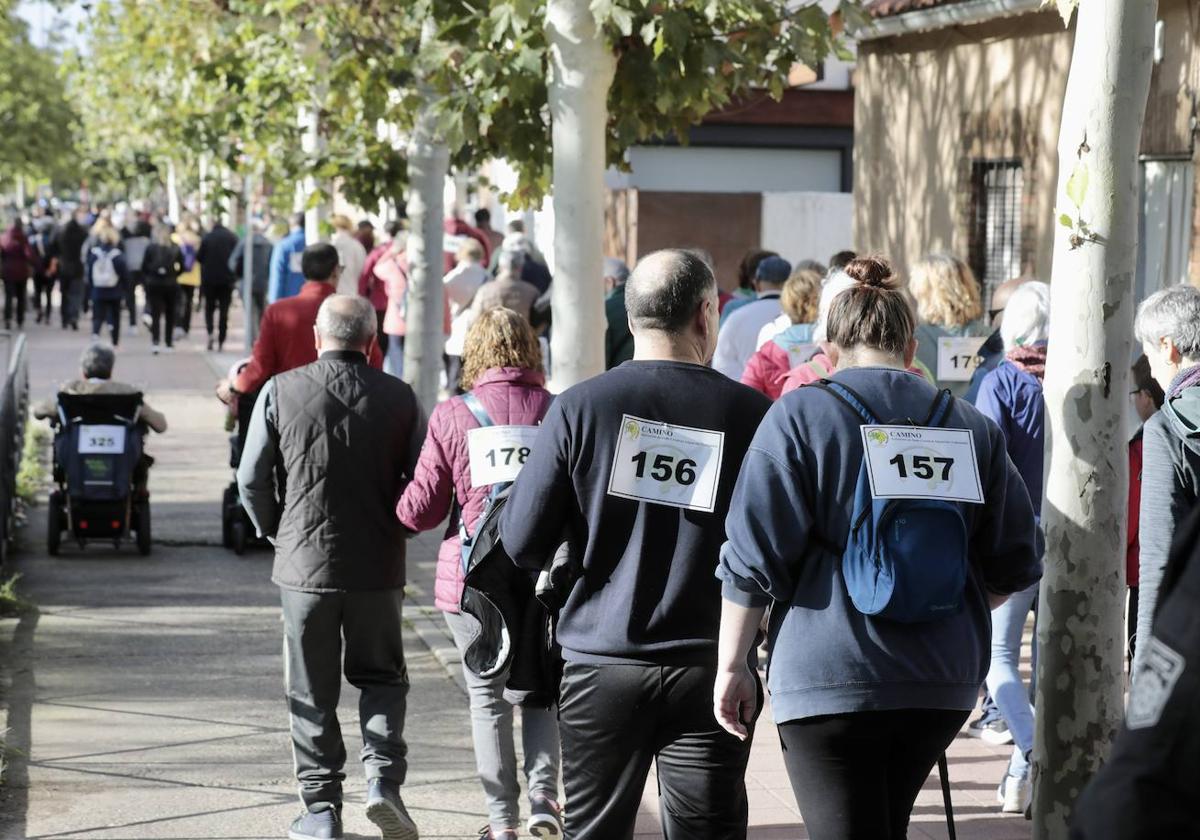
187 300
857 775
163 304
14 292
43 289
107 312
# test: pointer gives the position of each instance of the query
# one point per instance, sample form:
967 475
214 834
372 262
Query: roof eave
940 17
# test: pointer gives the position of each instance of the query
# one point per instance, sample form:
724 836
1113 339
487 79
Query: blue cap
773 270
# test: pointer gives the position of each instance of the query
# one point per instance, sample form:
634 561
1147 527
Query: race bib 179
497 453
667 464
917 462
101 440
958 358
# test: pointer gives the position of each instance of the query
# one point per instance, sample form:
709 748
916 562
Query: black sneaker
545 818
386 809
322 822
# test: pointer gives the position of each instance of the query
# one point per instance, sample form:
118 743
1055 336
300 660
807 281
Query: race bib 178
667 464
101 440
958 358
497 453
916 462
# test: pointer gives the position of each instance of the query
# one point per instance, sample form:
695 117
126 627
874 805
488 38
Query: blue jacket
790 508
286 279
1013 399
116 292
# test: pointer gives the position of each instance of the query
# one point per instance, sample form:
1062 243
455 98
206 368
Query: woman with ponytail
867 695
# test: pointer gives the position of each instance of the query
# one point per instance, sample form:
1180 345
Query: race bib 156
916 462
667 464
101 440
497 453
958 358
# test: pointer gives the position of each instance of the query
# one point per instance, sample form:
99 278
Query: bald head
345 322
665 290
1000 296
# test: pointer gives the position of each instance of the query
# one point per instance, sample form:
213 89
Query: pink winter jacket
767 369
511 396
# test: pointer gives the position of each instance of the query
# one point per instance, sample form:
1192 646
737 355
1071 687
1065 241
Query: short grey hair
346 320
1173 313
1026 316
510 262
97 361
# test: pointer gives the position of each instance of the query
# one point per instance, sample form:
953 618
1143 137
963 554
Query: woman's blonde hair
946 290
106 232
801 295
340 221
498 338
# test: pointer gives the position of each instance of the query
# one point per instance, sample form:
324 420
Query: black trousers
163 303
135 279
615 719
43 291
314 626
216 301
856 776
14 292
107 312
71 288
187 301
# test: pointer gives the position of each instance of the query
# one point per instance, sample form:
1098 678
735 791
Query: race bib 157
916 462
667 464
497 453
101 440
958 358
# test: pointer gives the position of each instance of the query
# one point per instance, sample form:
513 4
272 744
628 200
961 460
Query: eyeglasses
1136 391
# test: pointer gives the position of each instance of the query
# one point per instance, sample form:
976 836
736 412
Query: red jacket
511 396
285 340
767 369
1133 549
371 286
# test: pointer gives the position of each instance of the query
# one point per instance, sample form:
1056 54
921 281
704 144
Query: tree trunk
1080 629
424 340
313 144
582 66
205 221
174 208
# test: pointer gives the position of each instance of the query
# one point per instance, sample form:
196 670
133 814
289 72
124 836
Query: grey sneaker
323 823
386 809
545 820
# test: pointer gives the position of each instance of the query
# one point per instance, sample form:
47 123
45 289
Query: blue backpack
904 559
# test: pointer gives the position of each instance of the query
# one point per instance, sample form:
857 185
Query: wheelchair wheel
55 521
143 528
238 536
229 508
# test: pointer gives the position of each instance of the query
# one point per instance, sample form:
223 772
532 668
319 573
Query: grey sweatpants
314 626
492 733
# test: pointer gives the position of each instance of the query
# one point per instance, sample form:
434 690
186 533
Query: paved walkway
146 694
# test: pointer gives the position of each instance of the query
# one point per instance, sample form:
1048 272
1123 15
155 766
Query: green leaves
1077 184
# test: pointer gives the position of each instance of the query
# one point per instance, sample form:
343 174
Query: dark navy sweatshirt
647 593
793 502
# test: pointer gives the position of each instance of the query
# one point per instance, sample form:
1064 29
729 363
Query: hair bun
872 272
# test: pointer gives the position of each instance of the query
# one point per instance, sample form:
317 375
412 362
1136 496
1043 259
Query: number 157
922 466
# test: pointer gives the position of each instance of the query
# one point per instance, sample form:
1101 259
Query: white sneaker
1014 794
154 349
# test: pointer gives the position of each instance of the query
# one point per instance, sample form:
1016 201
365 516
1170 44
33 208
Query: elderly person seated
96 367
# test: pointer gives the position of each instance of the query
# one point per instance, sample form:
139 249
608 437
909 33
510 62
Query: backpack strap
940 410
849 398
477 410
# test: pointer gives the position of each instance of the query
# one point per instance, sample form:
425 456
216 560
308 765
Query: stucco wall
928 105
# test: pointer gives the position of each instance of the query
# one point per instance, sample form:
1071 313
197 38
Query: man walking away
740 328
351 254
66 248
216 280
260 267
135 239
286 277
638 464
337 440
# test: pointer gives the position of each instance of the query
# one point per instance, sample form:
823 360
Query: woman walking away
950 332
775 358
502 364
1011 395
16 266
107 278
160 270
188 240
869 682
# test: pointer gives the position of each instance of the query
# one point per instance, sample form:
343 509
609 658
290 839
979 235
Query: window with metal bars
997 187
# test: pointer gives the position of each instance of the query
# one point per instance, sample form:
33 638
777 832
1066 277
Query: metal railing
14 411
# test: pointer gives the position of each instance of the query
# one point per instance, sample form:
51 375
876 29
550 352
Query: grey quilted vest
344 431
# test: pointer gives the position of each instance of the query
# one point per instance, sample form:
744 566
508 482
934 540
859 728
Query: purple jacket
511 396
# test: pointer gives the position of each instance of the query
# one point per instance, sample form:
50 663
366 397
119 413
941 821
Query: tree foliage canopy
229 77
